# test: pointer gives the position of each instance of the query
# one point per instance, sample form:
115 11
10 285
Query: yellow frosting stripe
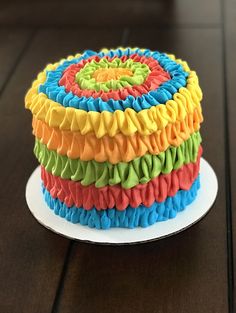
127 122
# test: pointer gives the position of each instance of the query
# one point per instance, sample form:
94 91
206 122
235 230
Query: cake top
124 90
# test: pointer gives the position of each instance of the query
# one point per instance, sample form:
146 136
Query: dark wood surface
43 272
229 35
110 13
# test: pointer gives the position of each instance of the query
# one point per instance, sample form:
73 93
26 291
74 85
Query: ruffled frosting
157 77
159 95
128 122
120 148
129 218
117 136
117 75
103 75
139 171
158 189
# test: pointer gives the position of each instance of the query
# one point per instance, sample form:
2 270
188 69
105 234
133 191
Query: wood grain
229 34
190 272
32 257
11 47
185 273
110 13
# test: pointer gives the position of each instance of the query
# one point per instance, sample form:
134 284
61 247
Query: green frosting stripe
86 81
139 171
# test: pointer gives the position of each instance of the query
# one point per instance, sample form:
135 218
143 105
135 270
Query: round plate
117 236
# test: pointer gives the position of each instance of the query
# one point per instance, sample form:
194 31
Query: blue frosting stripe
129 218
162 94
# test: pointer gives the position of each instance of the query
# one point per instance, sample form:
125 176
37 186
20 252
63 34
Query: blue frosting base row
129 218
162 94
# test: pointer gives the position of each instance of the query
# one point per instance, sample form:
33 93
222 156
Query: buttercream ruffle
128 122
136 75
128 218
158 189
156 78
139 171
161 94
120 148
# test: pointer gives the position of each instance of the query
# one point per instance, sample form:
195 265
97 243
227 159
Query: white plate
192 214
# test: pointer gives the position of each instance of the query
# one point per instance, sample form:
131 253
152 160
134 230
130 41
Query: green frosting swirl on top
139 171
86 80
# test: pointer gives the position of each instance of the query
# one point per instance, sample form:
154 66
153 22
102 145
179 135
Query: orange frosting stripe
106 74
119 148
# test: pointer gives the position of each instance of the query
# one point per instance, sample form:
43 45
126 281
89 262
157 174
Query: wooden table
43 272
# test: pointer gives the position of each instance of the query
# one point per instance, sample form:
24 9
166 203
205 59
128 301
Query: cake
117 136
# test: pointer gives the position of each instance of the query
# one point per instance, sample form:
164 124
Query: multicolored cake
117 136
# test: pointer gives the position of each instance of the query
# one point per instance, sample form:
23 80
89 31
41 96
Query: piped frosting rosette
117 136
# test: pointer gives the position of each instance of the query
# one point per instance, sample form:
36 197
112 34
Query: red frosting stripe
158 189
157 76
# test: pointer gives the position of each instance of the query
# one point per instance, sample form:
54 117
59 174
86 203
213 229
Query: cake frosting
117 134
